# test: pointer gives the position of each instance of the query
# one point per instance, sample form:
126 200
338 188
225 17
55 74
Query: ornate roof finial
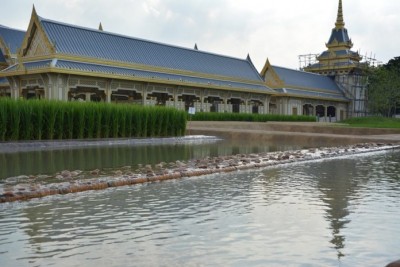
339 21
100 27
248 58
195 47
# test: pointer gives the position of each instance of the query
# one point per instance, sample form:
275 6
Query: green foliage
210 116
26 126
4 118
384 88
373 122
39 119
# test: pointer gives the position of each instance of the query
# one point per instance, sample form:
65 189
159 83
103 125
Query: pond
337 212
35 160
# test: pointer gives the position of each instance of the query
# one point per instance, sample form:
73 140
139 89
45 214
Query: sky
279 30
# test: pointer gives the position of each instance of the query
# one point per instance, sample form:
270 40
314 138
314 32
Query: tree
393 64
384 88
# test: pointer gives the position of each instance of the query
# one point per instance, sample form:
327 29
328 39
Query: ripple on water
310 214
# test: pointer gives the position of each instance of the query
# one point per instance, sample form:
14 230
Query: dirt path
281 131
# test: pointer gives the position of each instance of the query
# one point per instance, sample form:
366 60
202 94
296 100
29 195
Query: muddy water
36 161
338 212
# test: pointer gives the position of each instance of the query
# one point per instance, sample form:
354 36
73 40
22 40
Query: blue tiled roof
336 64
340 35
347 52
295 78
10 68
87 67
12 38
2 58
70 65
305 93
79 41
38 64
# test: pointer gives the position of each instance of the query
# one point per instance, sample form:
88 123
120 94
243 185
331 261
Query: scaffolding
370 60
353 83
307 60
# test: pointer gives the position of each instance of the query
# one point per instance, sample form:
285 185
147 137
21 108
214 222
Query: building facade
344 66
10 42
304 93
66 62
70 63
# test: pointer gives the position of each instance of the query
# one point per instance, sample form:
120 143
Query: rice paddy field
50 120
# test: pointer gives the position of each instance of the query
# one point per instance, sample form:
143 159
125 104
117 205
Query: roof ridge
161 72
301 71
9 28
137 38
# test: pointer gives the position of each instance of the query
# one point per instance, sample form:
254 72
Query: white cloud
280 30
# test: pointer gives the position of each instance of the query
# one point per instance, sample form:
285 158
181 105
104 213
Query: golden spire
339 21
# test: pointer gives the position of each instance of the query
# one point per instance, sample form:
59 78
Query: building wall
66 87
302 106
355 88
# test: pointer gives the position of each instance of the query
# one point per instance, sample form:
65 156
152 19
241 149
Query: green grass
373 122
41 119
210 116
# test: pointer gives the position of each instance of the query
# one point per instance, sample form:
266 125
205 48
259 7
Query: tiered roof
302 84
84 50
11 38
339 54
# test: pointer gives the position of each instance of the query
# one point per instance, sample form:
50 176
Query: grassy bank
373 122
48 120
211 116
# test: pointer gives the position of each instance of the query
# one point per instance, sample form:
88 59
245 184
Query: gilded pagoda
344 65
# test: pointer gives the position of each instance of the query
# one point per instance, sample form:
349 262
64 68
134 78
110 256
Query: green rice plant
128 122
69 122
136 122
181 123
178 128
60 121
4 117
26 126
79 122
160 115
106 120
165 123
90 119
13 123
121 113
38 119
144 118
51 108
98 111
152 121
115 122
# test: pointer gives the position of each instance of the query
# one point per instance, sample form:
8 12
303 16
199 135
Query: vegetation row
49 120
374 122
210 116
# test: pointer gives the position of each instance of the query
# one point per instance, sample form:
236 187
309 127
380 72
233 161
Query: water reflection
340 184
89 158
306 214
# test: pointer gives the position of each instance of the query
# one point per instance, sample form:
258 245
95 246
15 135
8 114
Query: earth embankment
327 133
